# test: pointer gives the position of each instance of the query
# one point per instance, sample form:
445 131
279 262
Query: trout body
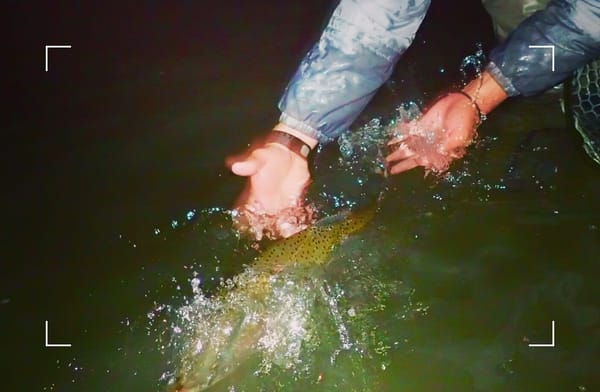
230 332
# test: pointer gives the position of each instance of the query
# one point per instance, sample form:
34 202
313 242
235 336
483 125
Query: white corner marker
545 344
54 47
54 345
545 47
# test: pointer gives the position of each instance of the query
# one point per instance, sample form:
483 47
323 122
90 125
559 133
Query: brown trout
228 334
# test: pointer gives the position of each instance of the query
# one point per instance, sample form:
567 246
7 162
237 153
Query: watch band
290 141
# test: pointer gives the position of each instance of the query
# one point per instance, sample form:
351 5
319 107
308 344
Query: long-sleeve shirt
365 38
571 27
355 55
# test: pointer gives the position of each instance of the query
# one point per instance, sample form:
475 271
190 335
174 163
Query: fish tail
235 338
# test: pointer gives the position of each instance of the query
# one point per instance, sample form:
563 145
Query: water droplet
191 214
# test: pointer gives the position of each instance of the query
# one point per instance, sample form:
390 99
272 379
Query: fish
232 334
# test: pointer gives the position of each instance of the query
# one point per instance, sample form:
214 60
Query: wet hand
440 136
272 202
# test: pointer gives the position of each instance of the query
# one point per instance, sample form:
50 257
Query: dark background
81 140
131 126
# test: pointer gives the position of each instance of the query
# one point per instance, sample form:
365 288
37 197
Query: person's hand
444 131
272 202
437 138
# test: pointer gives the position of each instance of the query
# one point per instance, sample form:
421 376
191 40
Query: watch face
292 142
304 150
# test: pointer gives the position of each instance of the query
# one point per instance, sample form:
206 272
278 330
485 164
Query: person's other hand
442 134
272 202
437 138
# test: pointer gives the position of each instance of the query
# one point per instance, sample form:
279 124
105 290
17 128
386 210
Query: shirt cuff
501 79
300 126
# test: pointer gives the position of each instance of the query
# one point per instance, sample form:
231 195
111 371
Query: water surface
115 191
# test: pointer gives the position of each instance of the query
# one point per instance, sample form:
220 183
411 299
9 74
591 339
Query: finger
403 140
402 152
232 159
245 168
396 140
404 165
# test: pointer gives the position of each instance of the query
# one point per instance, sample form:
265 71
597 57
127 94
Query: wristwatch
290 141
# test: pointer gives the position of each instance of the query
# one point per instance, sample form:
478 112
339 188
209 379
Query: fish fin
333 219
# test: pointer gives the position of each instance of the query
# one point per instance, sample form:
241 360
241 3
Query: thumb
245 168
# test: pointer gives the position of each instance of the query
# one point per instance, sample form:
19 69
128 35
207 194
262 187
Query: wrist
477 109
485 93
308 140
289 142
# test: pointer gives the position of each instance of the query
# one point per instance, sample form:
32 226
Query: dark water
127 134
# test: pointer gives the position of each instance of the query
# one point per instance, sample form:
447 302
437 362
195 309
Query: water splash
474 63
332 301
303 315
208 325
294 330
367 147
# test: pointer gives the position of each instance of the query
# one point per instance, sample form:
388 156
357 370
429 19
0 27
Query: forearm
571 27
353 58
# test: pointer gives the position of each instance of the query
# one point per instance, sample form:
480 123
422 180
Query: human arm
515 69
571 27
336 79
353 58
270 203
443 132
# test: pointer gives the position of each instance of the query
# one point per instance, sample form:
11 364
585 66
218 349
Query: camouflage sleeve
354 56
571 26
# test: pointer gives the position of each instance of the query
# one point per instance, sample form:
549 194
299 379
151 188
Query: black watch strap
290 141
